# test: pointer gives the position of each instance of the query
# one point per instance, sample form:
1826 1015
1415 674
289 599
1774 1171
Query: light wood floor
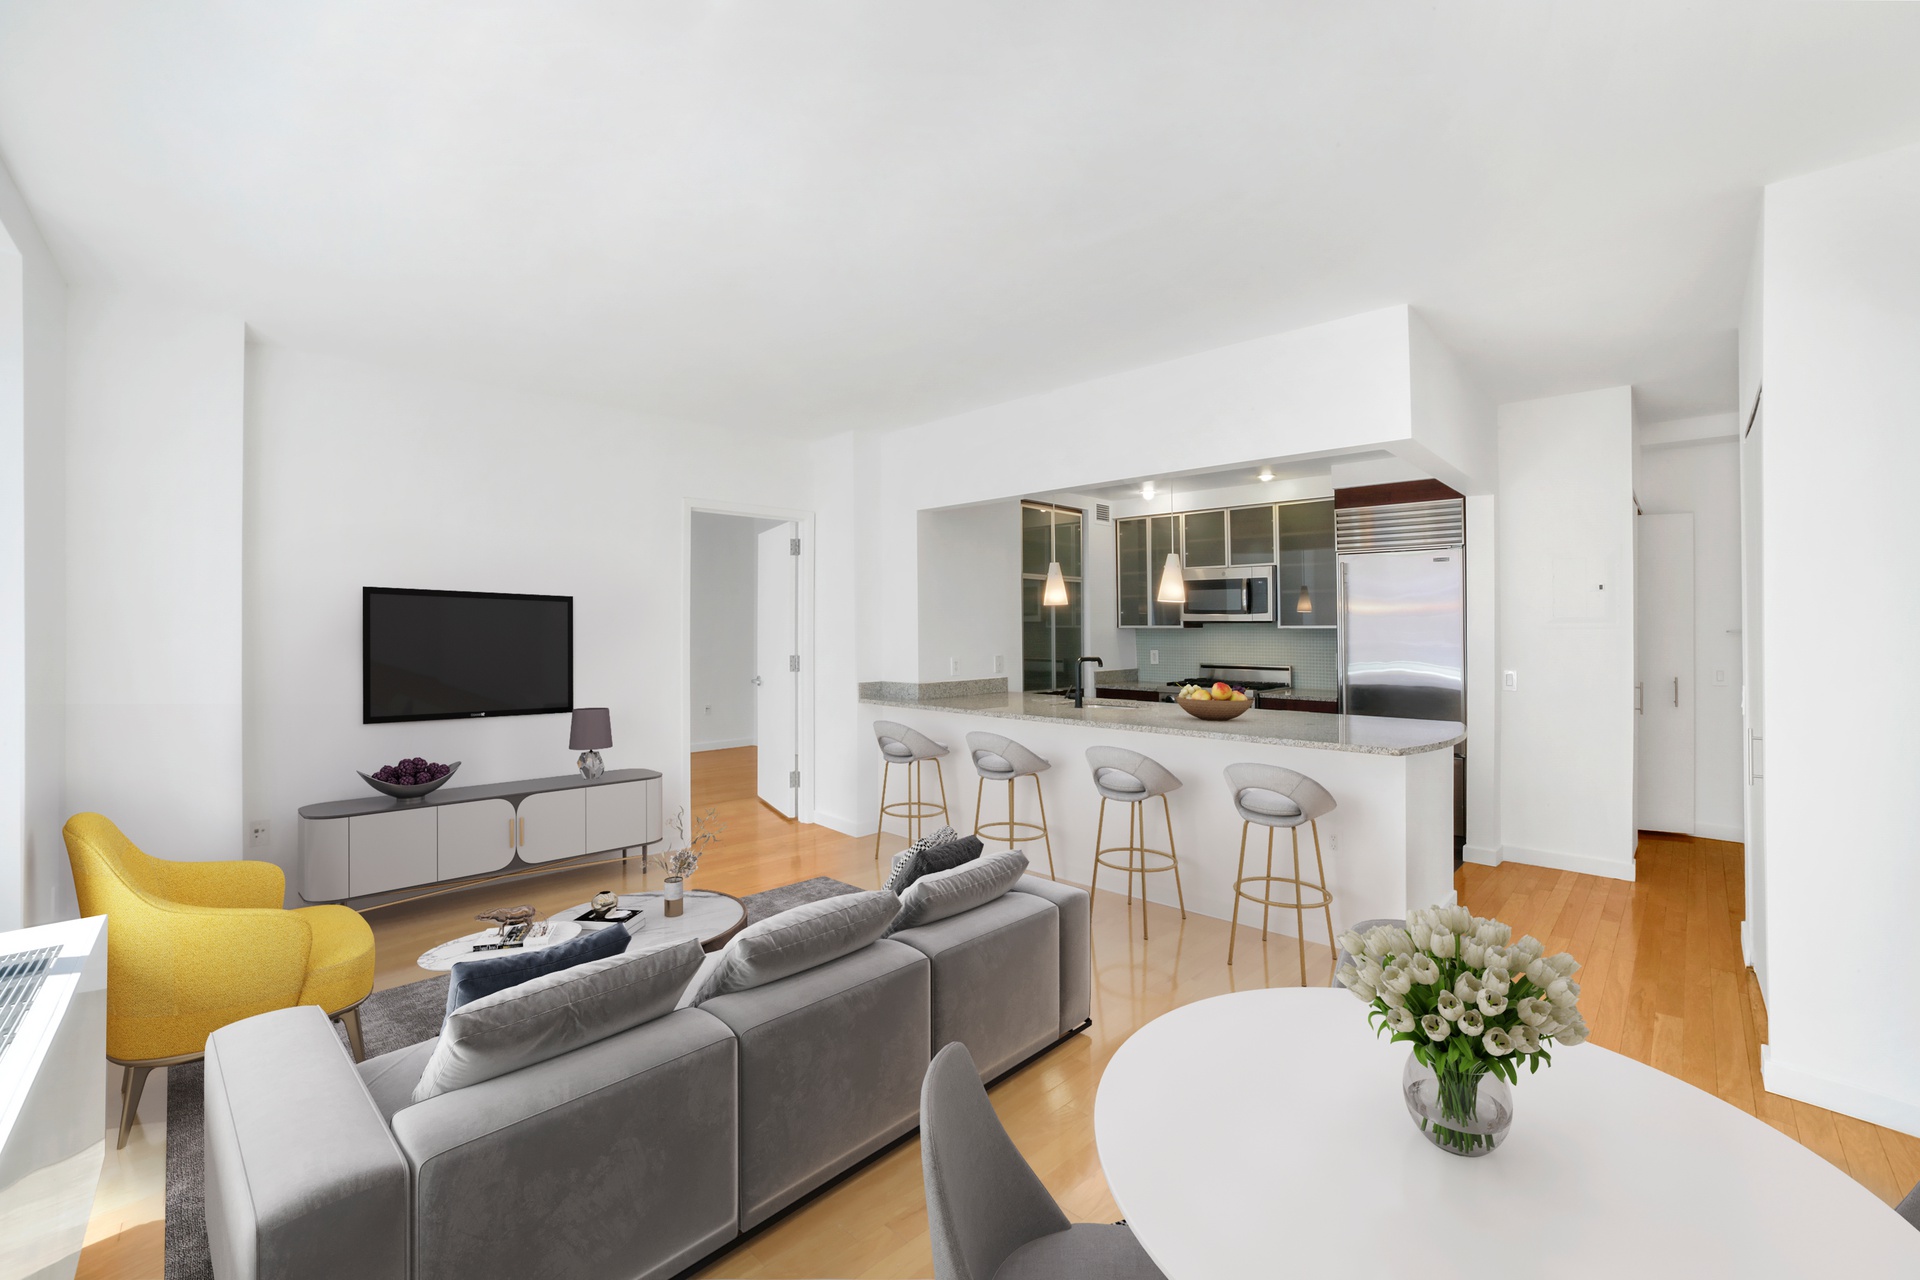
1663 983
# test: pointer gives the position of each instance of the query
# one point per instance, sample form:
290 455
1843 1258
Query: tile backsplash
1313 654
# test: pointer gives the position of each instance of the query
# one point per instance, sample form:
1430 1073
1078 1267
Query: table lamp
592 729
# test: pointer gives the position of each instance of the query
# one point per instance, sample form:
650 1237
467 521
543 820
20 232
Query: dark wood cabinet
1286 702
1132 695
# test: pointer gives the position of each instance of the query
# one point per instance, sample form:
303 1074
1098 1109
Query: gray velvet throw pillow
948 893
797 940
556 1013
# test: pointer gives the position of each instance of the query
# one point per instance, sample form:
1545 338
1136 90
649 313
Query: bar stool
906 746
1267 795
1004 760
1129 778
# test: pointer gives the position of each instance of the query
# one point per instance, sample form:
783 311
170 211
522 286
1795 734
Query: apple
1238 696
1222 691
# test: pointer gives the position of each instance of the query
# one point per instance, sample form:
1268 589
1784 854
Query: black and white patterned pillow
940 850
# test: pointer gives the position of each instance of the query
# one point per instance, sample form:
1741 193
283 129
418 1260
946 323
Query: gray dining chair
990 1216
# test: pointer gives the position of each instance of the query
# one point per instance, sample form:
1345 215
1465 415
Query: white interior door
1663 615
776 682
1753 701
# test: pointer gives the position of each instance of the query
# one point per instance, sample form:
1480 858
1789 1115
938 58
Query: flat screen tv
456 655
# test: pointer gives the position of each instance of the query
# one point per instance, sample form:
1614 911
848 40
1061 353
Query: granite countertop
1369 735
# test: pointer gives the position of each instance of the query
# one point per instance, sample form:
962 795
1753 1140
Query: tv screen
454 655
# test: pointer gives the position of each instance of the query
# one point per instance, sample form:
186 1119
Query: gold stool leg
1010 828
1233 927
1327 895
916 783
940 776
1046 835
1132 810
1268 891
1138 854
880 823
1299 911
1099 830
135 1080
978 789
1173 852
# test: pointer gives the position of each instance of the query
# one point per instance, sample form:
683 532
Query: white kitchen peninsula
1389 845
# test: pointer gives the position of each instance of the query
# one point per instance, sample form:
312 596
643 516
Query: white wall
154 438
1454 437
724 659
969 583
1564 551
1483 682
35 885
1694 466
358 475
1841 282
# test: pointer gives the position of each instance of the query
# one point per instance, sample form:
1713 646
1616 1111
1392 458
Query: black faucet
1079 688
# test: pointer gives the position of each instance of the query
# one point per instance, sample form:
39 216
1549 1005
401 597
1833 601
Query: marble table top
708 917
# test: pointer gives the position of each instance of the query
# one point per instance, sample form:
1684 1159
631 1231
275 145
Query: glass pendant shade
1304 605
1055 592
1173 584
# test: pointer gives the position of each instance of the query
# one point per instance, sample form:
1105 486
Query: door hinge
793 546
793 662
793 780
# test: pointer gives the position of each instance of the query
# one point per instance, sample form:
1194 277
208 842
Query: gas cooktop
1258 679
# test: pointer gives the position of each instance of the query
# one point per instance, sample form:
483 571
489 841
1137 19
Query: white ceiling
812 215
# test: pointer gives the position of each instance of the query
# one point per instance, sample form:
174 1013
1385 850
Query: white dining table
1263 1134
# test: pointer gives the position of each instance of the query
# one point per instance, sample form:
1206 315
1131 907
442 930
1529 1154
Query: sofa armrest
1076 946
302 1176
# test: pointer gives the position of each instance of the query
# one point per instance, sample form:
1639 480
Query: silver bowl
413 792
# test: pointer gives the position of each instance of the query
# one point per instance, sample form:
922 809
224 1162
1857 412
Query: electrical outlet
259 834
1333 841
1719 675
1511 681
999 664
953 666
1153 657
709 709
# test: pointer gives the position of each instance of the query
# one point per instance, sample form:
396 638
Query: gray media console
376 845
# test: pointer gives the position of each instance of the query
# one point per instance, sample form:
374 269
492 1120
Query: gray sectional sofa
633 1156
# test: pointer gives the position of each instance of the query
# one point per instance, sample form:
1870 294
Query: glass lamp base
591 765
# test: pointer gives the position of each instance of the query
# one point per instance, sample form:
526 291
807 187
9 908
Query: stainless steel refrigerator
1403 634
1403 621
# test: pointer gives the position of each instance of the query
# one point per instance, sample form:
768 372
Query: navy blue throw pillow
472 979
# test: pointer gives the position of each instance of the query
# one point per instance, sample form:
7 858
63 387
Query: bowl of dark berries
409 779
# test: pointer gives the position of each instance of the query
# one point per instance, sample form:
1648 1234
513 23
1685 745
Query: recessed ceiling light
1146 490
1266 474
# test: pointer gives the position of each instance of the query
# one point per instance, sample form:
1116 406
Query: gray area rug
389 1020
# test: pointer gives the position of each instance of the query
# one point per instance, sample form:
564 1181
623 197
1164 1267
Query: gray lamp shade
592 729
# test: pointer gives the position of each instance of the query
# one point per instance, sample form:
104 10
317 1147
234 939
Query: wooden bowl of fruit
1213 702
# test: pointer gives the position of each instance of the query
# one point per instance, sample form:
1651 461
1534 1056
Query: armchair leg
132 1082
350 1019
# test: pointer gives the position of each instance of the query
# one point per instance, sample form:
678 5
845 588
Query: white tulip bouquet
1469 1003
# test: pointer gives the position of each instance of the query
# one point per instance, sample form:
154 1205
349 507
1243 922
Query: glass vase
1465 1113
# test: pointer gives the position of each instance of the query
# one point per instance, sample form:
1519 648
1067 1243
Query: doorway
1664 635
1753 699
746 712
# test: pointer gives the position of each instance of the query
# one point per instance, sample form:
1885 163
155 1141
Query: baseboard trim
1714 831
1583 863
1837 1095
1746 944
725 744
845 826
1482 856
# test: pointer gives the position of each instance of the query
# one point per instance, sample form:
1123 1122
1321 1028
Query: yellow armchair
193 946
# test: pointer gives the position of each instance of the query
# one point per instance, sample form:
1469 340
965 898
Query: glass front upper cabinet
1250 536
1307 563
1204 539
1141 545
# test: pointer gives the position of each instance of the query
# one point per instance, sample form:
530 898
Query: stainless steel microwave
1241 593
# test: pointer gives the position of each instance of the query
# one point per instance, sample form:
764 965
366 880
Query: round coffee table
708 916
448 954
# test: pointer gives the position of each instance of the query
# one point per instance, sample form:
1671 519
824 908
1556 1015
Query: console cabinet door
475 837
553 825
617 816
323 859
393 850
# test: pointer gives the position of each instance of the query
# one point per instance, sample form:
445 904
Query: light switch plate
999 664
953 666
1510 681
1719 675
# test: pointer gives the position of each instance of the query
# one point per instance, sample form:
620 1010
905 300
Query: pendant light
1173 583
1054 594
1304 605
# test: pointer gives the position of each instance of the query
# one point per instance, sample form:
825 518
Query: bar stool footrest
1325 900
